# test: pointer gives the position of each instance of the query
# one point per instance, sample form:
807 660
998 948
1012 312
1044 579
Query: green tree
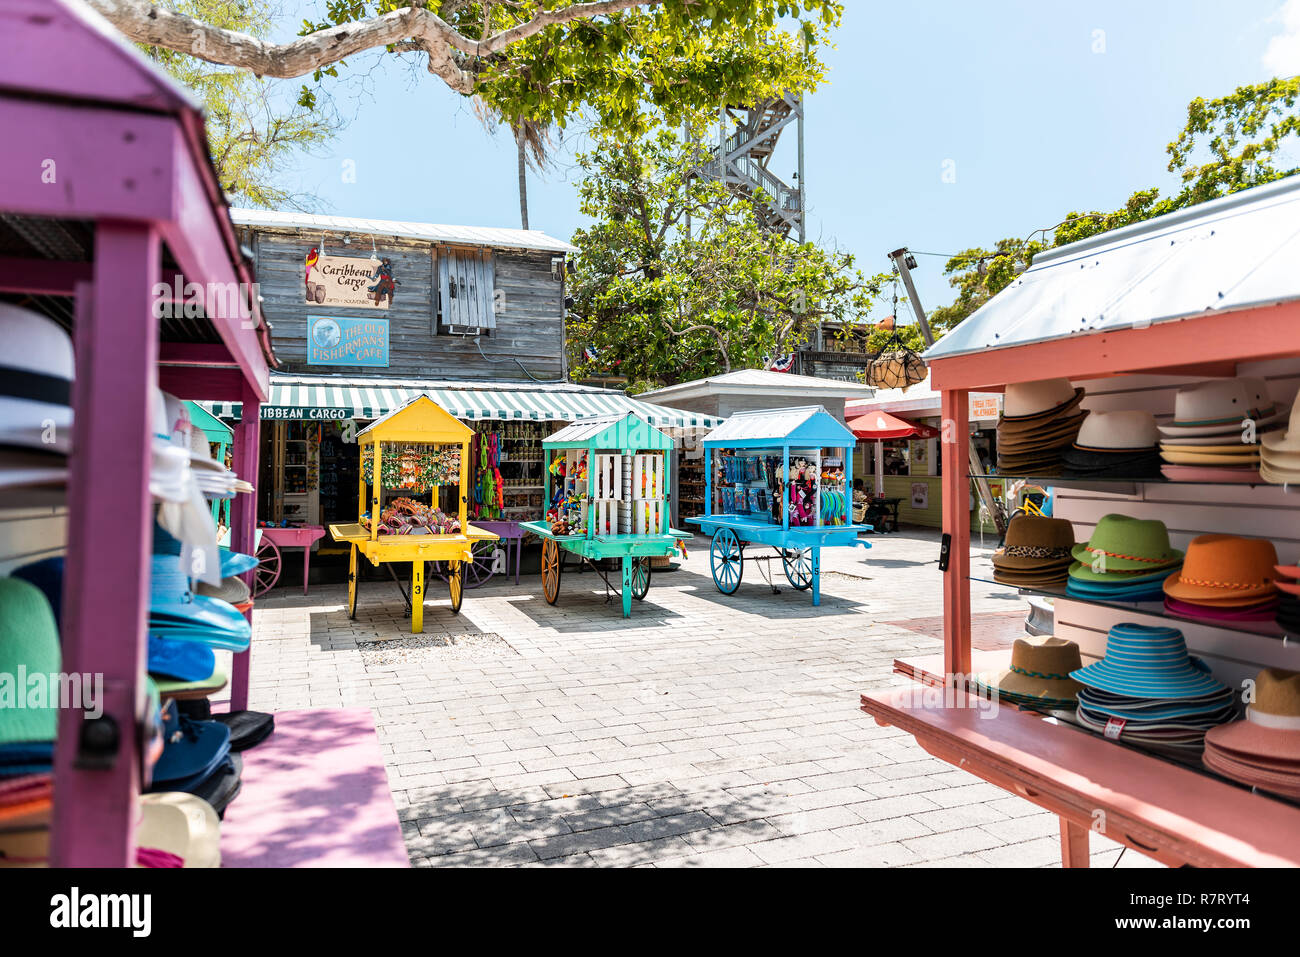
1228 144
661 304
252 133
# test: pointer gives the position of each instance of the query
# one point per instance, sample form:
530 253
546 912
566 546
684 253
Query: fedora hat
1216 407
1147 662
1263 409
29 640
1272 725
1043 398
1224 568
1034 541
1040 669
1288 440
1122 543
35 381
181 824
1113 431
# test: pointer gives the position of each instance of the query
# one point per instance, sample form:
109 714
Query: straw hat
1288 441
1272 726
35 381
1044 399
1218 407
1114 431
29 639
1226 569
181 824
1128 544
1146 662
1034 542
1040 669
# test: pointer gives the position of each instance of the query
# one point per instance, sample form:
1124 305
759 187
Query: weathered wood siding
530 310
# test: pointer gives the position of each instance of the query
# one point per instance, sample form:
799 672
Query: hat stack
1115 445
36 407
1226 579
29 644
1280 452
1216 431
1039 421
1036 553
1288 605
1148 691
1039 675
1264 749
1126 559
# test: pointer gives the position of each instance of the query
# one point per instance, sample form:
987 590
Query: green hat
1128 544
28 639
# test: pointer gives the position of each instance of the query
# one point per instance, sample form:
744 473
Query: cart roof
807 425
626 431
419 419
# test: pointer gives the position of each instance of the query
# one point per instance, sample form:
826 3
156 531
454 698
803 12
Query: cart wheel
476 572
456 583
352 582
640 577
268 567
551 568
726 561
798 567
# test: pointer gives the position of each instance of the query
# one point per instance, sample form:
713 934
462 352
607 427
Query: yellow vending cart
417 451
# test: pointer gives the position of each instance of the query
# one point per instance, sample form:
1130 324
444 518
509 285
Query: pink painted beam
106 588
956 523
80 162
243 523
1264 332
42 277
201 384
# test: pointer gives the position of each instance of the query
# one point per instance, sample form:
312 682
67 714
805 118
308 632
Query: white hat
1128 429
1288 441
1028 399
35 381
1221 407
181 824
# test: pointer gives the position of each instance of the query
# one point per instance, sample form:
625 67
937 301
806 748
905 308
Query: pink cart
274 541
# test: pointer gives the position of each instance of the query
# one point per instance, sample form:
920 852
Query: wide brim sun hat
1271 728
38 369
1211 458
232 589
1285 440
1151 662
181 824
29 640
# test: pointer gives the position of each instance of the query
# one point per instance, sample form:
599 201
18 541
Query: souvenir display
1217 429
415 468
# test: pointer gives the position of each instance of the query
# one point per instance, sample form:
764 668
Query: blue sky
1037 108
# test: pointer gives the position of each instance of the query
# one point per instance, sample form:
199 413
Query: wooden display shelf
1172 814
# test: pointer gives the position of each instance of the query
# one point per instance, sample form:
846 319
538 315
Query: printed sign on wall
338 341
349 281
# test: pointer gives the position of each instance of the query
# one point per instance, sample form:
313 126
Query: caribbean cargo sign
349 281
338 341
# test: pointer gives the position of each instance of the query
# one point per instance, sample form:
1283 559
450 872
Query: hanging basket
896 369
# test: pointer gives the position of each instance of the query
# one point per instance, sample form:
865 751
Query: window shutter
466 280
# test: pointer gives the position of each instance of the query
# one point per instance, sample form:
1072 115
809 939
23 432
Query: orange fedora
1224 569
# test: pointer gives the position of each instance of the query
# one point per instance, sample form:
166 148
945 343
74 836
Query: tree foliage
659 304
252 134
1228 144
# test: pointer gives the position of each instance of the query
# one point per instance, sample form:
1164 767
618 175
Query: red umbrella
882 425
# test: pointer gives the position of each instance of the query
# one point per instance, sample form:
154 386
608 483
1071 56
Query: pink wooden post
243 521
956 523
106 593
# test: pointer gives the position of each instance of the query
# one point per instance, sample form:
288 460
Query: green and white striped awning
327 398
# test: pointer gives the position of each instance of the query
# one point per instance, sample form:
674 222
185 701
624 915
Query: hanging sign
340 341
349 281
985 406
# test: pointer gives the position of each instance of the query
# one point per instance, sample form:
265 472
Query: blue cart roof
625 431
804 426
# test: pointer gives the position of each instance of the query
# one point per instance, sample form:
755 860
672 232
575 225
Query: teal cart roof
808 426
627 432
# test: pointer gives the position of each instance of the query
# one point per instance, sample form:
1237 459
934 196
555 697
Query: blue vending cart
780 478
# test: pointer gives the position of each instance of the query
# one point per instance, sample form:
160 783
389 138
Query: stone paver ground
707 730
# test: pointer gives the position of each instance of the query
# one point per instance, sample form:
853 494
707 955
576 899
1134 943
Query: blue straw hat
181 660
176 612
1147 662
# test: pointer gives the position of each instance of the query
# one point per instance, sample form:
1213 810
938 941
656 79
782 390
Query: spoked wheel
640 577
798 567
352 582
456 583
476 572
268 567
726 561
551 568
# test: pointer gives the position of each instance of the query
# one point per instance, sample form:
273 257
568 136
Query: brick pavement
706 730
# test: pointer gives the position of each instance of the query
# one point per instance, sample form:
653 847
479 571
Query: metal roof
625 430
494 236
809 425
760 381
1232 253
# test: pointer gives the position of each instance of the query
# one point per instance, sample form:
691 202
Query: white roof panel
1231 253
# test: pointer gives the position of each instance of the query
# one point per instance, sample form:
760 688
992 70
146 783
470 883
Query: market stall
417 451
778 478
609 500
1170 558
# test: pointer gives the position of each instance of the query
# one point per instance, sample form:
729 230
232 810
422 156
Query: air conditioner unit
464 330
